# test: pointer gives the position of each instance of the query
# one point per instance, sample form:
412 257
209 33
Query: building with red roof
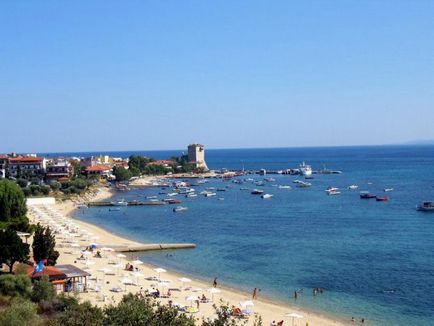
30 165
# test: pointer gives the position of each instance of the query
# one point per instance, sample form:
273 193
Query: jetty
130 203
153 246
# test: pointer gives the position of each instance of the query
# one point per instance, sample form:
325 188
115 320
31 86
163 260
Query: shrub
15 285
42 290
82 314
20 313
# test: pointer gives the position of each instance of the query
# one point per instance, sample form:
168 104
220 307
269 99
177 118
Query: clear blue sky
123 75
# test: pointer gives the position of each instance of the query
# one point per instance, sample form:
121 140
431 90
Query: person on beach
214 284
273 323
295 295
255 293
280 323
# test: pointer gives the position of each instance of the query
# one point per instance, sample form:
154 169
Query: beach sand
269 311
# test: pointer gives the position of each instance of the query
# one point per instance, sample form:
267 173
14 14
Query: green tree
121 174
44 242
43 290
224 317
20 313
12 248
12 204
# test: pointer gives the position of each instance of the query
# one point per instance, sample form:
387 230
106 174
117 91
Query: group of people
274 323
129 267
361 320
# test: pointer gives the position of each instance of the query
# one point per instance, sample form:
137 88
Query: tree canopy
12 248
43 246
12 206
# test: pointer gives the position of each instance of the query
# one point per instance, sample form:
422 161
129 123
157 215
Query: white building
196 155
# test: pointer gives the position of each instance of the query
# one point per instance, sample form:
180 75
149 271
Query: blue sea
374 259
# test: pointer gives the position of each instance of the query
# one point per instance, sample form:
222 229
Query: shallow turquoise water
374 259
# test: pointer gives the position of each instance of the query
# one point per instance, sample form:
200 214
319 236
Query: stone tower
196 155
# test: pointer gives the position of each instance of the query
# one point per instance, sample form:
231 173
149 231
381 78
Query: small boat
82 206
302 184
119 203
382 198
191 195
172 201
116 209
172 194
162 193
353 187
151 197
260 183
270 179
366 195
210 194
284 187
244 188
221 189
221 198
297 181
179 209
257 192
388 189
331 193
426 206
266 196
331 189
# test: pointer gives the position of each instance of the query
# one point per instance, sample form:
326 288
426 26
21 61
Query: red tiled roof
25 159
3 156
52 272
98 168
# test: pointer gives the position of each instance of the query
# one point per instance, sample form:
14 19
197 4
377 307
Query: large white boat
305 169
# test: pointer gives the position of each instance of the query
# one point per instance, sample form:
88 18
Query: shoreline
268 308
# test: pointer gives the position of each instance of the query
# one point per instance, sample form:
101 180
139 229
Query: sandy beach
103 281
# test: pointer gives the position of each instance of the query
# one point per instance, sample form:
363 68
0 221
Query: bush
45 190
20 313
42 290
27 192
15 285
22 183
82 314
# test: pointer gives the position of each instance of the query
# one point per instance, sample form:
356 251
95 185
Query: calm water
375 259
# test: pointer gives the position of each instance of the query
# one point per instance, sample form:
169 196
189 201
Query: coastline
267 308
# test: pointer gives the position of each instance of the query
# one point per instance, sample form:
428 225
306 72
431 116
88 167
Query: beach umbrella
184 280
137 275
121 256
294 315
75 245
104 270
107 249
118 266
213 291
126 281
247 303
159 271
191 298
137 262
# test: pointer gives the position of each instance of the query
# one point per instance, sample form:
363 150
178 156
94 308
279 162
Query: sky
136 75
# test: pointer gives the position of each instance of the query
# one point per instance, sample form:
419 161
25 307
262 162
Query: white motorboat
388 189
172 194
267 196
180 209
210 194
304 184
353 187
331 189
284 187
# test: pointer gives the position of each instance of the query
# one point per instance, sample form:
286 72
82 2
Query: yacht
305 169
388 189
353 187
332 191
266 196
426 206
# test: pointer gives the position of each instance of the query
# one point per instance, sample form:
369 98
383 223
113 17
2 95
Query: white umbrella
126 281
191 298
76 245
120 256
293 315
137 275
117 266
159 271
248 303
137 262
213 291
104 270
184 280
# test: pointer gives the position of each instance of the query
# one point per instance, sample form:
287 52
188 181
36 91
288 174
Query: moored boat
388 189
119 203
353 187
179 209
267 196
305 169
382 198
426 206
366 195
257 192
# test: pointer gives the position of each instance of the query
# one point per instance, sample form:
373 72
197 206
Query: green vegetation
12 206
77 185
22 305
43 246
12 248
122 174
